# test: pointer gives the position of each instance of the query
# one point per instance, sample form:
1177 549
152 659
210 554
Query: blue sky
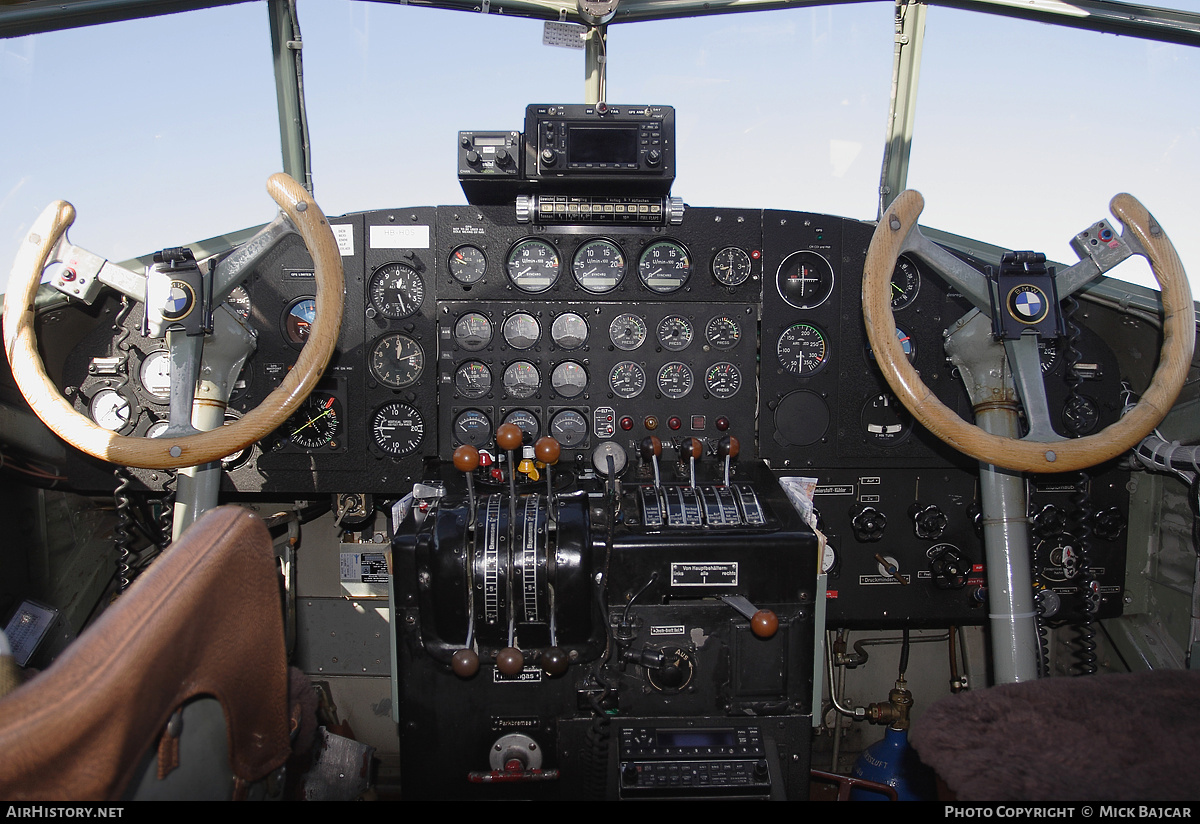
1023 132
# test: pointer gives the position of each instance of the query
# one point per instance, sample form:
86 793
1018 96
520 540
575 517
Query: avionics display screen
612 144
696 738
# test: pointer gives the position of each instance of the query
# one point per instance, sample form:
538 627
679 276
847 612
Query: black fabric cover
1129 737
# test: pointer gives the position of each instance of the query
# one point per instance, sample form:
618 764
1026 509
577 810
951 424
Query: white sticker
344 235
399 237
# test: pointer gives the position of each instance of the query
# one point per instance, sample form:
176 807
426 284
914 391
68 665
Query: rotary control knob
929 522
1109 524
949 568
549 157
1049 521
674 673
868 523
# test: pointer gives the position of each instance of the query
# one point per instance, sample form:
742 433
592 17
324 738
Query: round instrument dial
599 266
664 266
472 379
397 361
907 345
675 380
155 374
569 379
533 265
675 333
298 320
805 280
524 420
569 330
239 302
569 428
314 424
627 332
627 380
731 266
472 427
803 349
884 421
112 410
397 429
521 330
521 379
473 332
722 380
468 264
723 332
396 290
906 283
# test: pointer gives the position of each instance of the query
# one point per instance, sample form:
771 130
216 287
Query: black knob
472 157
929 522
950 569
653 157
868 523
549 157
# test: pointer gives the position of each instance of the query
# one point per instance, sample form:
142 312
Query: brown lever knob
510 661
547 450
508 436
764 623
466 458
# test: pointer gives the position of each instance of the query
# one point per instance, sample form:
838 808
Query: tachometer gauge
569 428
906 282
472 427
396 290
472 379
298 320
155 374
805 280
675 380
397 361
397 429
569 330
533 265
315 424
468 264
473 332
569 379
731 266
627 332
521 379
664 266
524 420
675 333
723 332
803 349
521 330
599 266
111 410
627 380
722 380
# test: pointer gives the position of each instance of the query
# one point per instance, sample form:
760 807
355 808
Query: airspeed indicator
802 349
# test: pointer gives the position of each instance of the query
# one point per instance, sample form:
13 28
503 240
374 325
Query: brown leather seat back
205 619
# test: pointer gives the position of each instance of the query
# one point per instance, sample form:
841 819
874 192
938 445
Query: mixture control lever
466 461
692 449
728 448
650 448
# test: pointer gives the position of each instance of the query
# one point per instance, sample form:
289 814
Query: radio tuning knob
549 157
653 157
472 157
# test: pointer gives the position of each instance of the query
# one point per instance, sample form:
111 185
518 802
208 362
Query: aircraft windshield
1023 131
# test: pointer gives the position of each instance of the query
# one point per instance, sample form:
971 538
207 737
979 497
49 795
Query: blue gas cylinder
893 762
